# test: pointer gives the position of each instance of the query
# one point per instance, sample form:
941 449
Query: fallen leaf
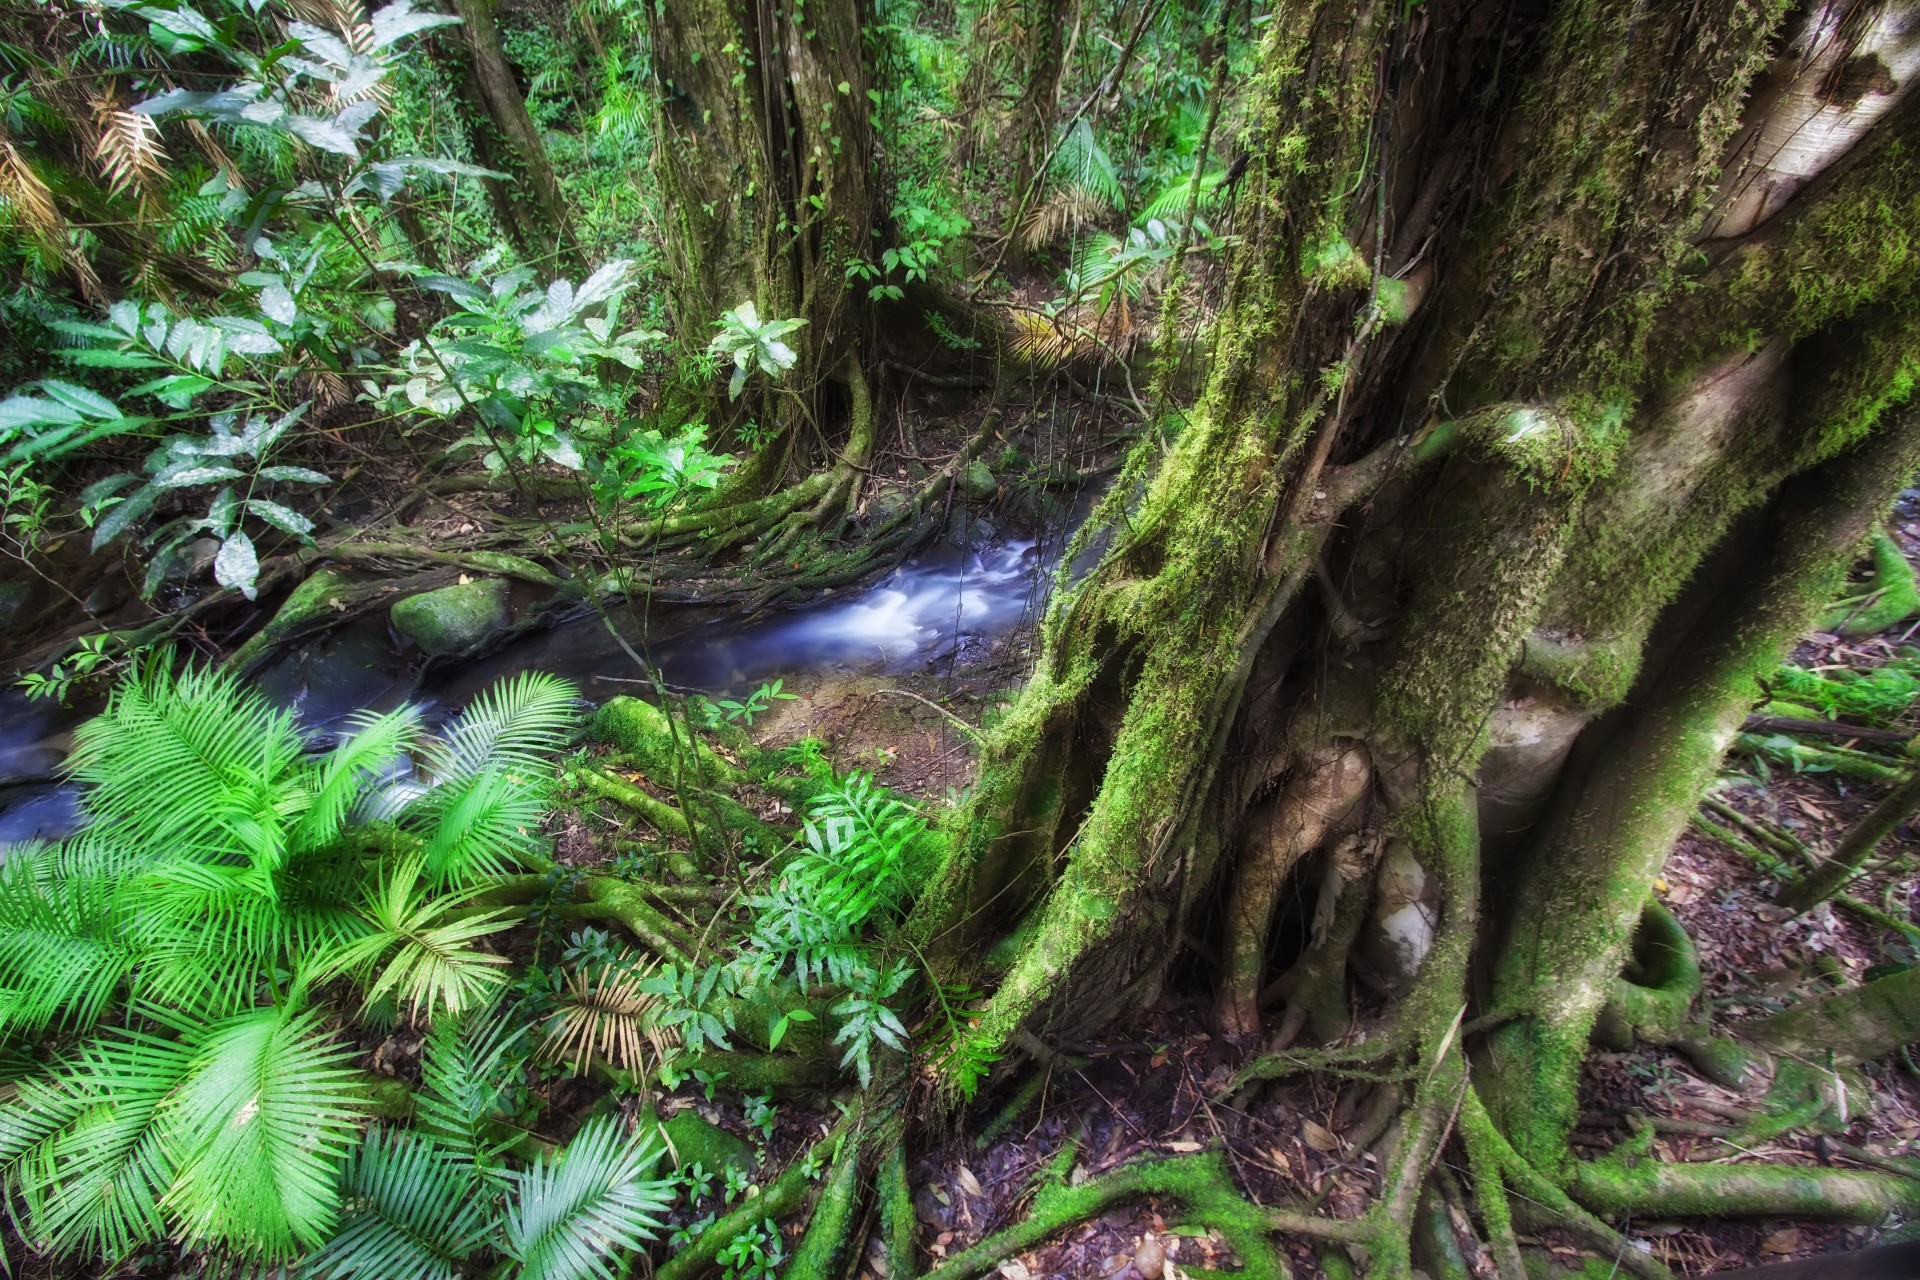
1149 1260
1319 1138
1184 1147
1785 1240
1014 1269
968 1183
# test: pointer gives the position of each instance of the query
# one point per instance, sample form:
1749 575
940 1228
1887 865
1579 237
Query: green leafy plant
205 1113
750 343
520 359
755 1254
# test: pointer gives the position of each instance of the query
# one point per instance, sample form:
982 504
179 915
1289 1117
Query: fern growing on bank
176 952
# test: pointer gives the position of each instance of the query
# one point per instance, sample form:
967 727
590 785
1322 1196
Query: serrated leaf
276 303
80 399
124 515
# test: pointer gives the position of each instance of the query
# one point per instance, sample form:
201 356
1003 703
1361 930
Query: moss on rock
453 619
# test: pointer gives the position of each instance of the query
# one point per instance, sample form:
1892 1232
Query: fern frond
260 1130
573 1212
415 1211
468 1064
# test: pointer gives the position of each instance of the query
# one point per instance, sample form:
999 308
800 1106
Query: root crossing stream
929 611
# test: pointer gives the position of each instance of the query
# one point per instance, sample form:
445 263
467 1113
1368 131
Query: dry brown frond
1042 341
129 150
30 198
1058 216
348 17
608 1017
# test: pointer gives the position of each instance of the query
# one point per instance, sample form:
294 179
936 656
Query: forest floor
1157 1091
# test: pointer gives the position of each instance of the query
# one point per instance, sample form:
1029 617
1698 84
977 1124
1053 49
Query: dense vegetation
1487 398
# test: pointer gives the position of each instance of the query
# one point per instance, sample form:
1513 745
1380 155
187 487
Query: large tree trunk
766 159
1559 363
530 205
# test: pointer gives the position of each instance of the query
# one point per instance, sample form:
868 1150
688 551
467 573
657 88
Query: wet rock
14 597
697 1141
453 619
977 481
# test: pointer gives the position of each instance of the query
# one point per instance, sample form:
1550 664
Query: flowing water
927 612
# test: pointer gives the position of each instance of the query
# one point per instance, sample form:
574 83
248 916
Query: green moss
1642 1187
826 1240
454 619
695 1141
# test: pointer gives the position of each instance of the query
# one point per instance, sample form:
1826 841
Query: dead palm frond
27 196
1060 215
606 1016
1042 340
129 150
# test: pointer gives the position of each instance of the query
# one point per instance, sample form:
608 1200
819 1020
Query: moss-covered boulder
642 731
695 1141
453 619
977 482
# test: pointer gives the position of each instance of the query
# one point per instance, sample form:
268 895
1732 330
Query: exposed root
1855 847
1201 1183
1622 1185
1860 766
1543 1199
1283 831
1654 1004
1851 1026
827 1230
1891 597
896 1213
778 1198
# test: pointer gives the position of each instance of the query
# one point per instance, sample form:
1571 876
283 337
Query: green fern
1082 164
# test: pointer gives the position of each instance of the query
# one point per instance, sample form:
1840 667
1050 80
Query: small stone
453 619
977 482
1150 1260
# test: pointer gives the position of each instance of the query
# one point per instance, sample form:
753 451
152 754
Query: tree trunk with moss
766 159
528 202
1560 375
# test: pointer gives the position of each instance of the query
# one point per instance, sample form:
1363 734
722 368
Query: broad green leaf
237 565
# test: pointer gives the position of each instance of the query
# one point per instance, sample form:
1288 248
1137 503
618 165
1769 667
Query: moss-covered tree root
1201 1184
1891 596
1855 847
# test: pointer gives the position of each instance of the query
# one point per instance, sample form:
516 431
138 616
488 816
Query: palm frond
348 768
517 725
1171 203
259 1130
1081 162
572 1213
86 1145
1041 341
129 150
1061 214
479 827
606 1016
222 749
415 1211
61 948
424 955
